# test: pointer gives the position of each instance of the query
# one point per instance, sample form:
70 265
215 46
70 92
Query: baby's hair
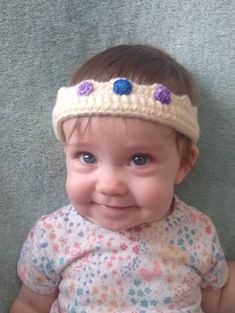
144 65
141 64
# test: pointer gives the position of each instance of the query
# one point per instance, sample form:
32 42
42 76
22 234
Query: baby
126 243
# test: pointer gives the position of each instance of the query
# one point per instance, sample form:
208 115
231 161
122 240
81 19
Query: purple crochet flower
162 94
122 86
84 88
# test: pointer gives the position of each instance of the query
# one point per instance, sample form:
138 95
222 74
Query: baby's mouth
114 206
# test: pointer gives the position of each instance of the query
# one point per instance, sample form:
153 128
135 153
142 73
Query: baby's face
121 172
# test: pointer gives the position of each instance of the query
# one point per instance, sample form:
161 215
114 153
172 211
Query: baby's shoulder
193 218
60 220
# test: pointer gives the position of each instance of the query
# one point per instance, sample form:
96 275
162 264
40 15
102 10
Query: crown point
122 86
84 88
162 94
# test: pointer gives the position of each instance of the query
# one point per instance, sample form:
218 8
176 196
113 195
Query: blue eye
140 159
87 158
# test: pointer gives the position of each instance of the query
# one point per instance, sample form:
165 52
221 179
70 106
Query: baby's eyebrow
82 144
153 146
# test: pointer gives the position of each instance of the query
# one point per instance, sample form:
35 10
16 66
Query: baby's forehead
109 126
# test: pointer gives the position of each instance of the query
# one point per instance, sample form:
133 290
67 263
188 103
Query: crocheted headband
121 97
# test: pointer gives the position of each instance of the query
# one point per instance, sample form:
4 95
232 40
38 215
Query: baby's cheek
73 188
78 191
156 193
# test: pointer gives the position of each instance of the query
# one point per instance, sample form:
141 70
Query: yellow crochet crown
121 97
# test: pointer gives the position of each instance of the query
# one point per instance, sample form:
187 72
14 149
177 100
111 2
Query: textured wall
42 41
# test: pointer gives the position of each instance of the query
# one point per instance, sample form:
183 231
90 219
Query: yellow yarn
140 103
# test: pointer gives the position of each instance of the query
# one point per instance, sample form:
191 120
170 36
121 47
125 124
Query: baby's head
141 65
129 123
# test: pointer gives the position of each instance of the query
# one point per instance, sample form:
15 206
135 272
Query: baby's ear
187 163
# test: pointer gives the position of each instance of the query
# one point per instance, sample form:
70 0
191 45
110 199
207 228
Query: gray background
43 41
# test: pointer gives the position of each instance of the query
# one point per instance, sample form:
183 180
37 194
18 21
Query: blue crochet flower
122 86
162 94
84 88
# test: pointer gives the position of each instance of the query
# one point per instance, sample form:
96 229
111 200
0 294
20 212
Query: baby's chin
117 223
119 226
115 226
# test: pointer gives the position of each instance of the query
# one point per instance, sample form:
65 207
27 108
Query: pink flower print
120 258
137 229
149 275
21 273
55 248
169 279
104 287
113 257
52 236
95 290
76 245
73 253
59 226
109 244
119 282
123 246
190 280
136 249
42 218
194 218
148 225
208 229
47 225
100 237
132 238
181 298
63 241
84 256
66 251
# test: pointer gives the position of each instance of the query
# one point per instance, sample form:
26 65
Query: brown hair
142 64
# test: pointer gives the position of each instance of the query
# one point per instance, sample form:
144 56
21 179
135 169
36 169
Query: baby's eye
139 159
87 158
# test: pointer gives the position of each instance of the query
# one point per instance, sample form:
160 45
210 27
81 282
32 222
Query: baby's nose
111 183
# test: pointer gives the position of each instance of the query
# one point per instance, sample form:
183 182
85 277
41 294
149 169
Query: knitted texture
121 97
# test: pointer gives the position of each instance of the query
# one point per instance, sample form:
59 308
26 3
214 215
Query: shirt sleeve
217 273
35 266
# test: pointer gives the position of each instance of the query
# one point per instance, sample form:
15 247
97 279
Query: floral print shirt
156 267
